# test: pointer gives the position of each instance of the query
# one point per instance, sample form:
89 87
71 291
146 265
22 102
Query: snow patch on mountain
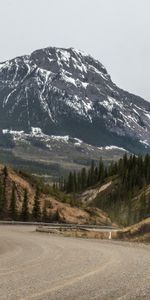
60 138
69 79
2 65
147 115
112 147
145 143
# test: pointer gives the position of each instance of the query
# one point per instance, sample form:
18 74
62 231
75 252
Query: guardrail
57 225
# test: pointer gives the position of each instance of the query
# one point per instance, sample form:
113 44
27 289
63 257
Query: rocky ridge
66 92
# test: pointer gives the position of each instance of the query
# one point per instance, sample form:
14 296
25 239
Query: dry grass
138 233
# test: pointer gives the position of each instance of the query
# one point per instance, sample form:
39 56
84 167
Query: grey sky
114 31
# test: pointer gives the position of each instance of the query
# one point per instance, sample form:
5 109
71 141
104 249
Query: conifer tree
13 207
83 178
95 175
129 209
25 209
1 200
5 203
5 172
44 213
101 171
75 182
148 206
70 185
92 173
79 182
36 212
143 208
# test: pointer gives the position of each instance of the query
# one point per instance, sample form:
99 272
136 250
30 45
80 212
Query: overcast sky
114 31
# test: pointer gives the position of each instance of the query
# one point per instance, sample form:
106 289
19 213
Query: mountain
59 93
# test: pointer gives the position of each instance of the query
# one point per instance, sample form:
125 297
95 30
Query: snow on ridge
88 105
145 142
107 105
110 102
44 72
104 76
17 135
64 138
68 79
5 131
80 52
140 108
65 55
2 65
112 147
147 115
114 101
78 142
136 112
78 64
49 139
36 131
84 84
82 107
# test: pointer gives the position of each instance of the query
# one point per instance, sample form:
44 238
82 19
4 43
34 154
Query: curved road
42 266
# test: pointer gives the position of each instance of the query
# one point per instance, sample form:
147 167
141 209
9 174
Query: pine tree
13 208
101 171
70 184
83 178
5 203
44 213
36 212
5 172
129 209
75 181
92 173
95 175
143 208
79 182
148 206
1 200
25 209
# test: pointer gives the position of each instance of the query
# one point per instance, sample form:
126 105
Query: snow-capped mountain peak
67 92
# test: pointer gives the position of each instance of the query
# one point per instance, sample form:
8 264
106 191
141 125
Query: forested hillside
122 190
127 196
24 197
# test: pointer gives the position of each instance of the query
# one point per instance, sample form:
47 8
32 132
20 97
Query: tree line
130 176
134 172
9 209
80 180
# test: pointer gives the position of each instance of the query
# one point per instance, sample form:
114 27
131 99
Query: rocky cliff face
65 92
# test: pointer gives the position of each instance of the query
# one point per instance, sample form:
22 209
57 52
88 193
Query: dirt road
42 266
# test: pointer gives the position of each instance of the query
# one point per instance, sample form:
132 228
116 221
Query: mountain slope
122 189
139 232
124 211
56 211
67 92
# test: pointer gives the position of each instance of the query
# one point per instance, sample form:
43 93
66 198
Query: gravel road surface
41 266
